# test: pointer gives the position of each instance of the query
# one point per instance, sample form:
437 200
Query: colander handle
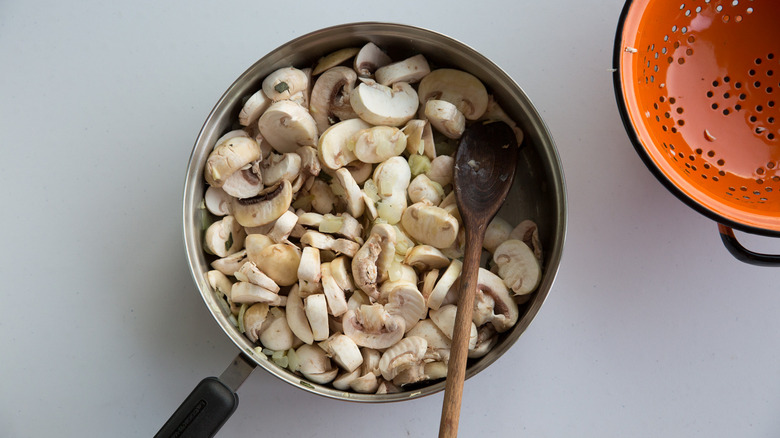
743 254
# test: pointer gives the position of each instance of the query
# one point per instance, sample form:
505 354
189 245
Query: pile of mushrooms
337 242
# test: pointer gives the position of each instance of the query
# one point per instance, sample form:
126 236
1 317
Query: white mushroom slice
339 270
244 292
283 227
333 146
371 358
331 60
309 267
230 264
370 263
386 387
219 282
415 143
224 237
372 327
337 301
429 281
486 339
494 112
462 89
379 143
244 183
310 162
330 97
444 284
406 301
254 320
518 266
280 167
369 59
435 370
425 258
310 219
253 108
284 83
265 207
438 343
326 242
287 125
381 105
231 134
411 374
444 318
343 381
280 262
310 359
357 299
430 225
448 200
353 195
250 273
323 198
296 316
228 157
276 334
392 175
217 201
322 378
389 285
407 352
255 244
528 232
445 117
370 206
343 350
316 308
409 70
496 232
344 225
265 147
366 384
422 188
441 170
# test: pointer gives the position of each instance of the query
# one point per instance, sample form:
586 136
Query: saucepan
538 194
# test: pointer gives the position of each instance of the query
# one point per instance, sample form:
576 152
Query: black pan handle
743 254
210 404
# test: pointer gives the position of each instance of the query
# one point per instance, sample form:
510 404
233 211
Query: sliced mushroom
503 309
430 225
244 292
425 258
517 266
287 125
334 146
370 263
441 170
337 301
343 381
415 141
310 162
343 224
310 359
224 237
343 350
444 284
228 157
528 232
253 108
377 144
283 227
255 244
296 316
371 326
409 70
254 320
445 117
444 318
339 270
330 97
249 272
381 105
230 264
438 343
369 59
219 282
462 89
276 334
217 201
285 83
323 198
352 193
231 134
309 266
326 242
429 281
365 384
333 59
386 387
407 302
392 175
244 183
486 340
280 262
316 309
496 232
265 207
280 167
407 352
422 188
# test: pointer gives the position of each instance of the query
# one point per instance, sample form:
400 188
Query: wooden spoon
484 170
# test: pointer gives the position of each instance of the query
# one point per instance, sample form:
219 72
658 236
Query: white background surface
651 330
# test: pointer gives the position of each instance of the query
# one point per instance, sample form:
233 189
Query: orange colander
698 87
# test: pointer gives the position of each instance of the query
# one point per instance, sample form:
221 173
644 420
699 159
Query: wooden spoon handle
456 370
